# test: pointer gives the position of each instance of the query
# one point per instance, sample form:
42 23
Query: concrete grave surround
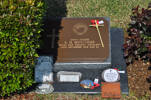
89 66
117 40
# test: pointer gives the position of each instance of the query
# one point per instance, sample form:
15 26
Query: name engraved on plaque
80 43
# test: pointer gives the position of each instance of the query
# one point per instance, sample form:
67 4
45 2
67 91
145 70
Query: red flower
116 69
93 22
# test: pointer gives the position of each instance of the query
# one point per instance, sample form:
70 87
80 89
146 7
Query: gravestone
77 43
77 46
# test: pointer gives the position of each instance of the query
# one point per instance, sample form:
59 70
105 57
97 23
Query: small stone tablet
111 90
110 75
65 76
44 88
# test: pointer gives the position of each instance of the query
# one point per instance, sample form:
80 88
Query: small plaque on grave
111 90
64 76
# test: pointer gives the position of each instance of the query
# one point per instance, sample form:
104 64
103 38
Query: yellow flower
30 2
12 7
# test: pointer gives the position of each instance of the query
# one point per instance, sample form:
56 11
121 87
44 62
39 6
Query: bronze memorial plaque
82 40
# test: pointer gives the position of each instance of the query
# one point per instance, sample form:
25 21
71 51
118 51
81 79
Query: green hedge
20 27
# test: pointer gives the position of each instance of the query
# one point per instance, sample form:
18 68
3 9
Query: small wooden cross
97 27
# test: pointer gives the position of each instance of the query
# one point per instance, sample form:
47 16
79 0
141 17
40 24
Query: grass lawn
119 11
84 97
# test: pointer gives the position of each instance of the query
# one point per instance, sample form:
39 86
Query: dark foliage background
138 42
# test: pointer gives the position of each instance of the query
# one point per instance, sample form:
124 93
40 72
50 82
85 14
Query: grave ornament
110 75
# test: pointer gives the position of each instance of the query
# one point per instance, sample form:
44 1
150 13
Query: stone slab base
117 60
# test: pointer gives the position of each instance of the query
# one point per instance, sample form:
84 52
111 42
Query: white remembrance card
111 75
69 78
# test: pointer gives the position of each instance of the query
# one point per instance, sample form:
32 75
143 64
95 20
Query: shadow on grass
56 9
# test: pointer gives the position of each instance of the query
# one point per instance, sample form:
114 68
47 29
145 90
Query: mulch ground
24 96
137 78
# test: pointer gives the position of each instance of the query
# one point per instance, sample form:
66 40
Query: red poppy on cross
97 23
94 22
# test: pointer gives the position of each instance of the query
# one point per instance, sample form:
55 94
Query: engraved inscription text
80 43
